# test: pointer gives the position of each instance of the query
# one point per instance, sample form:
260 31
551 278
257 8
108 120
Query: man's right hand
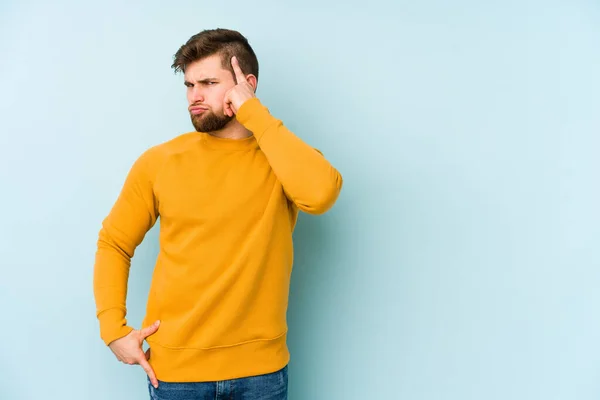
128 349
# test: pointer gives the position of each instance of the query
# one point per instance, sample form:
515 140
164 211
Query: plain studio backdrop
462 260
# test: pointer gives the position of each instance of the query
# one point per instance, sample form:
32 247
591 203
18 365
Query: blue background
462 260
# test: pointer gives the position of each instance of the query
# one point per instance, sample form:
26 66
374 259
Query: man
228 196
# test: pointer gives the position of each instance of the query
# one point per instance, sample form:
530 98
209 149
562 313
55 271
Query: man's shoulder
172 146
154 157
176 144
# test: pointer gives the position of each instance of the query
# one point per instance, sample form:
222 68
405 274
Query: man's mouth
198 110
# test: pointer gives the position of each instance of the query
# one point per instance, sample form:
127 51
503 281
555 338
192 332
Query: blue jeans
272 386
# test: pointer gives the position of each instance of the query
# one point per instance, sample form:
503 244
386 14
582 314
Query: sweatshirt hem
185 364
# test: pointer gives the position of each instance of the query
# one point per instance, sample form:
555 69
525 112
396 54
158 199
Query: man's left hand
240 93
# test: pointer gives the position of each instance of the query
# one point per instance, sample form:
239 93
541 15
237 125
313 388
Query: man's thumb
149 330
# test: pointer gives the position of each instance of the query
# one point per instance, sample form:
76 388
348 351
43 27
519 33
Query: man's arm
308 179
132 215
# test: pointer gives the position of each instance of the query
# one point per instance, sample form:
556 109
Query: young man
228 196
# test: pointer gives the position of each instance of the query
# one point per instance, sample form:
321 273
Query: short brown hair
225 42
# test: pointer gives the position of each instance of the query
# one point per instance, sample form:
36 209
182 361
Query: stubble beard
208 121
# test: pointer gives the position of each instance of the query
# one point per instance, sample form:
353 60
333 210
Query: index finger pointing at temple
239 75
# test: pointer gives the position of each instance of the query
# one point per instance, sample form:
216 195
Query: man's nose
197 95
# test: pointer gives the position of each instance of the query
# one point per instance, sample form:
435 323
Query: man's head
205 60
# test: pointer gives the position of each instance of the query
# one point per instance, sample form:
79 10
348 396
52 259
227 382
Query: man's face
207 82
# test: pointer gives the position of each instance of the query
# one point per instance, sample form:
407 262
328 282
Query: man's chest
215 190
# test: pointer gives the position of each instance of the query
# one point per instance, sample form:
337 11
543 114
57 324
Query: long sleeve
132 215
308 179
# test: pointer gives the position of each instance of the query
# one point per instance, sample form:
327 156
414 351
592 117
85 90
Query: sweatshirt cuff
113 325
255 117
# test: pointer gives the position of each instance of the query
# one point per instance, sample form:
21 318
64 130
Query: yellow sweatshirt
221 280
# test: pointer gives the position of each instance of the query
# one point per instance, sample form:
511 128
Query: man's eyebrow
205 80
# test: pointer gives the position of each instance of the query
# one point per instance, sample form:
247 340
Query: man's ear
252 80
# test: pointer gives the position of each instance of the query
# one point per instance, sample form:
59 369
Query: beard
208 121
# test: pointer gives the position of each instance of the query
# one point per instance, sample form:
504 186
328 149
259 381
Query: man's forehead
205 68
